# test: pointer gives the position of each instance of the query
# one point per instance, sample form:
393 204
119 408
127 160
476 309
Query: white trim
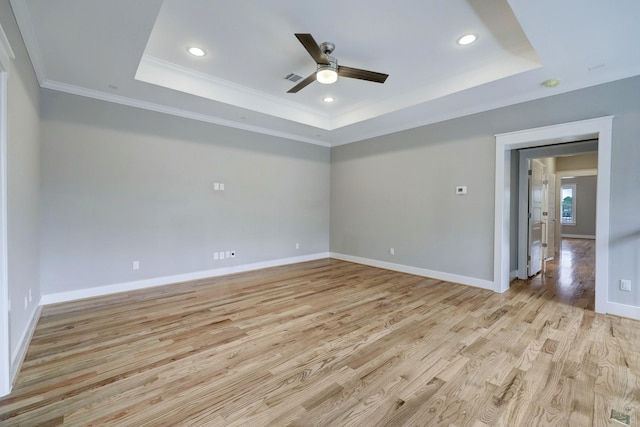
23 344
157 71
624 310
170 280
6 54
599 128
578 236
470 281
178 112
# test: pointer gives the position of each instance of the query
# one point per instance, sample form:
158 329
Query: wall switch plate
221 255
297 245
392 251
30 295
221 186
216 186
215 256
625 285
461 189
136 265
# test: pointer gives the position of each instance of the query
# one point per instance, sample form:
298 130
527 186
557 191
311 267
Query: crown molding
136 103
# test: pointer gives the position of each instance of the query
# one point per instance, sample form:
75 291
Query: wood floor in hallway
332 343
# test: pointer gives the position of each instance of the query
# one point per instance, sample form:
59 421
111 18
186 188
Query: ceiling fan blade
356 73
303 83
312 47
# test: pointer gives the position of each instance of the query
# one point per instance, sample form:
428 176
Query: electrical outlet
392 251
221 255
297 245
625 285
136 265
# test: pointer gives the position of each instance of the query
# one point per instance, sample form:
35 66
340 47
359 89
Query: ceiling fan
328 68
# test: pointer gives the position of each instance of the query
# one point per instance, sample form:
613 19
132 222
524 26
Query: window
568 204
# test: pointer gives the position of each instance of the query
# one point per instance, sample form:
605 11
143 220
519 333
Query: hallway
570 277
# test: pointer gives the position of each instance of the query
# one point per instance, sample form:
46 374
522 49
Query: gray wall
585 206
121 184
397 190
23 157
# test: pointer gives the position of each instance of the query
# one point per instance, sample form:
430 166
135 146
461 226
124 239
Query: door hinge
545 213
530 172
545 182
544 245
529 258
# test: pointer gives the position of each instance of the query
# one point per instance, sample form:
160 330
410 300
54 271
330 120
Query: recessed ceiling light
328 99
467 39
196 51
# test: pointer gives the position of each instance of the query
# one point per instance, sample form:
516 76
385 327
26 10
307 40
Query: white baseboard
470 281
579 236
17 357
169 280
623 310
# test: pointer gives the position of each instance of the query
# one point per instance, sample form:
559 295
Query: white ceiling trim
166 74
136 103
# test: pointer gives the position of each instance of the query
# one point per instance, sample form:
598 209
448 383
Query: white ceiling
135 53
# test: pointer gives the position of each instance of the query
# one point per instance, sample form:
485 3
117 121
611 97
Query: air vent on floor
293 77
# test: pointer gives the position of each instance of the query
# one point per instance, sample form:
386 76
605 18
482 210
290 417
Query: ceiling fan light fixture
326 74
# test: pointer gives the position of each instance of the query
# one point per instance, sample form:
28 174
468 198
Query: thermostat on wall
461 189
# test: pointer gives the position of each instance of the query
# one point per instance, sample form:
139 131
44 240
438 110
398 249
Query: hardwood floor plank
331 343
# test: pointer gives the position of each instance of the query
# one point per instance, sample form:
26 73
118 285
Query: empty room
414 213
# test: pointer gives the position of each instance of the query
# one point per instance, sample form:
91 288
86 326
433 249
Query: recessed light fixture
196 51
467 39
328 99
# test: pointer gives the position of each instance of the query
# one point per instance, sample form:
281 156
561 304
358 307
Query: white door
550 217
536 174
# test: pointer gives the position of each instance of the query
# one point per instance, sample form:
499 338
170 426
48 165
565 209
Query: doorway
593 129
561 231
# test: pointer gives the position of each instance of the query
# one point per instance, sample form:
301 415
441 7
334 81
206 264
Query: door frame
598 128
6 55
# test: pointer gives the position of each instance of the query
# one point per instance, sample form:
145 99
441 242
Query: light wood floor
332 343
